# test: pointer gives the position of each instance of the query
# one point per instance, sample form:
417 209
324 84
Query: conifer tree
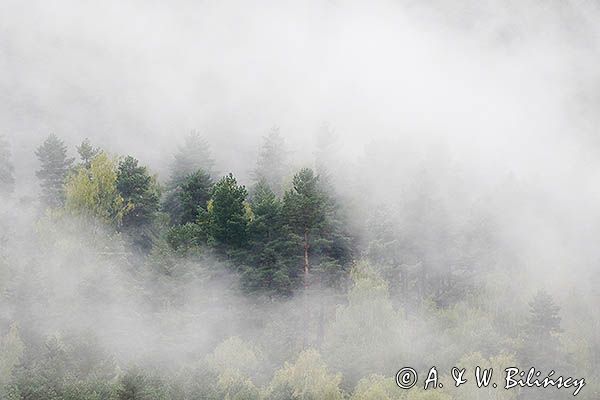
272 165
87 152
193 155
228 215
304 212
541 344
270 253
55 165
194 196
141 194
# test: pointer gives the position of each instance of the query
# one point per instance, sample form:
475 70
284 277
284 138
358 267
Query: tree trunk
305 281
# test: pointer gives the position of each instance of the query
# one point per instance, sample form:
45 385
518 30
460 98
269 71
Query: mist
456 151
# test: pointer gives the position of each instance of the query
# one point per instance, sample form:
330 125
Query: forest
118 283
299 200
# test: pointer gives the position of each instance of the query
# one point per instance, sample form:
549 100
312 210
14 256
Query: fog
467 129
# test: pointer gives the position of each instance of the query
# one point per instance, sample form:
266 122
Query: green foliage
235 361
7 178
541 345
313 216
273 261
367 336
377 387
227 213
87 153
306 379
55 165
184 238
94 193
74 367
141 195
192 158
194 195
303 205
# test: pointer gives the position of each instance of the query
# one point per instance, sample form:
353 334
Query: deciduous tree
93 193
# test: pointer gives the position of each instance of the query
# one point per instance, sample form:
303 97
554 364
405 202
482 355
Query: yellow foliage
93 192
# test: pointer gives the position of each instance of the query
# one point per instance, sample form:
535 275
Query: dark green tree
194 195
228 215
87 152
55 165
313 217
305 213
192 156
270 255
272 165
141 195
7 178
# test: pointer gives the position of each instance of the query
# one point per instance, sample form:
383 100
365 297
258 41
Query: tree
311 215
541 344
271 252
303 208
194 195
377 387
306 379
93 193
87 152
193 155
55 165
272 165
227 212
7 178
141 195
235 362
367 336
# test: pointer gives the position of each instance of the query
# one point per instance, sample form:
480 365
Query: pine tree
271 262
192 156
7 179
266 208
55 165
541 344
194 195
304 212
272 164
228 215
141 195
312 216
87 152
